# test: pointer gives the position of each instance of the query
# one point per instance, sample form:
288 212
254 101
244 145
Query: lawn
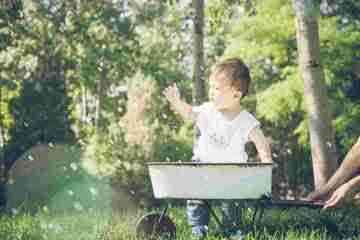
290 224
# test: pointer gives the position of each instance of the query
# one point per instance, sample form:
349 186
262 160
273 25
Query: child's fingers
166 91
171 92
175 90
167 94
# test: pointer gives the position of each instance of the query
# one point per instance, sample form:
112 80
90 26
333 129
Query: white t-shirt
222 140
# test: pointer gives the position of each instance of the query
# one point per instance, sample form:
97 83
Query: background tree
198 50
40 110
9 13
265 37
95 51
323 149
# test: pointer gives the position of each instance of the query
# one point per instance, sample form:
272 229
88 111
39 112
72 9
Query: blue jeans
198 214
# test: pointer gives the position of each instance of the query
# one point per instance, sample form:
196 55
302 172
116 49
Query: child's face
221 93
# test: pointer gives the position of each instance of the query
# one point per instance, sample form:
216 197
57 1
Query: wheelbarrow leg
212 213
258 211
163 213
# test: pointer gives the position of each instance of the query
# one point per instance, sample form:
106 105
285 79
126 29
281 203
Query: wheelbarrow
207 181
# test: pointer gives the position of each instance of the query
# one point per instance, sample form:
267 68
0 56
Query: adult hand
341 195
318 195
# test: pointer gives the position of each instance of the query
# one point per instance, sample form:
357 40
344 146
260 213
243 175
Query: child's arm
262 144
181 107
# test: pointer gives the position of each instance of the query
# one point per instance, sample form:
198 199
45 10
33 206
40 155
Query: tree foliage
85 55
267 42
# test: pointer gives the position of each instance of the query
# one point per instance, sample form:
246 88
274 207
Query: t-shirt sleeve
202 113
248 123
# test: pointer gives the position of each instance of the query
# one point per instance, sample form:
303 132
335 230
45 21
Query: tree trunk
99 122
2 140
198 51
84 115
323 150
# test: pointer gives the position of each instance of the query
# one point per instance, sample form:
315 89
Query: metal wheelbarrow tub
193 180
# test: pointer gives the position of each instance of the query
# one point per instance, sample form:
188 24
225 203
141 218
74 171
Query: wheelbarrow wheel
151 227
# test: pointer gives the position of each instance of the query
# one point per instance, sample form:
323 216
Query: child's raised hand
172 93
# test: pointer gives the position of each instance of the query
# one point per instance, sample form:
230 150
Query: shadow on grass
290 224
335 224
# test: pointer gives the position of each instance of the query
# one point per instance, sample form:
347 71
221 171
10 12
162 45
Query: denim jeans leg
197 213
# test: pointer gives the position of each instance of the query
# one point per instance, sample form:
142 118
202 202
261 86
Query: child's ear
238 94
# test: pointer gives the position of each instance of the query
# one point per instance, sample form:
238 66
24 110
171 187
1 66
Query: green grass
290 224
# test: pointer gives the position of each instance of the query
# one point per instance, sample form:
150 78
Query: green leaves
279 102
266 41
11 85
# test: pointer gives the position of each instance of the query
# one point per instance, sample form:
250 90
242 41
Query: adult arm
345 192
349 167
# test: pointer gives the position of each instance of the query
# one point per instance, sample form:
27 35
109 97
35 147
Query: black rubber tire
149 228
